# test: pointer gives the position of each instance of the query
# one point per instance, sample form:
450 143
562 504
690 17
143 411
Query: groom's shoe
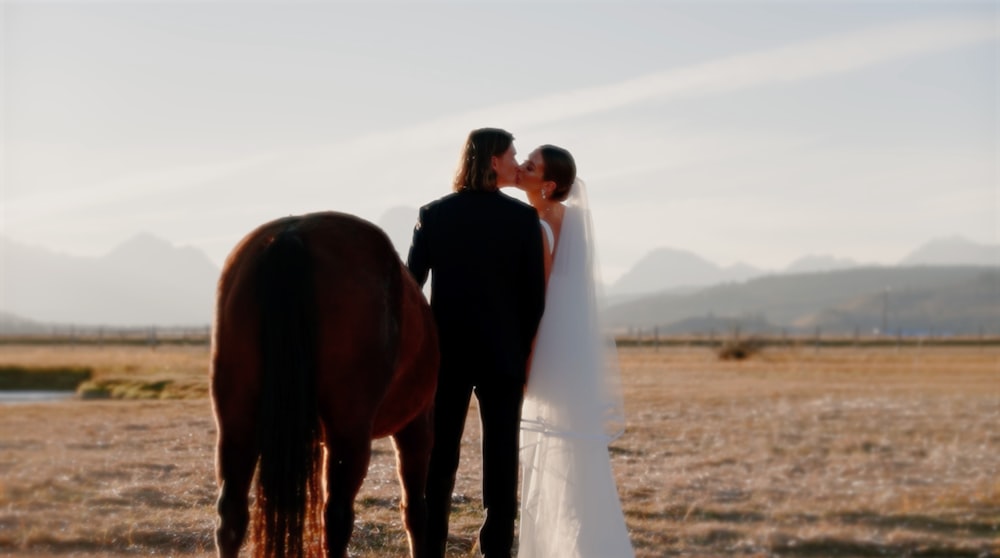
493 553
494 544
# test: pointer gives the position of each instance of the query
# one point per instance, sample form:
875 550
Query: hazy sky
742 131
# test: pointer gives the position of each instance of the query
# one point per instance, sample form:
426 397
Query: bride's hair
559 168
475 170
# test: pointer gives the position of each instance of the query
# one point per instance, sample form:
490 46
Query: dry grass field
795 452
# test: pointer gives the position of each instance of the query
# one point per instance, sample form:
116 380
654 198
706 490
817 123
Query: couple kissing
513 292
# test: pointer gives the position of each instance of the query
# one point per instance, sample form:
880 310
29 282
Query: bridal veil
572 410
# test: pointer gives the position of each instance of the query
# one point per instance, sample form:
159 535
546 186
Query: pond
33 396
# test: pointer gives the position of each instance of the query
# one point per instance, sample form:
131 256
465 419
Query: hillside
959 299
669 269
143 281
953 250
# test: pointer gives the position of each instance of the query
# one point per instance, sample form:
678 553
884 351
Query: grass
868 451
20 378
118 371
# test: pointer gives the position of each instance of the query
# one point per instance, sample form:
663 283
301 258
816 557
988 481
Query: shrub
739 349
19 378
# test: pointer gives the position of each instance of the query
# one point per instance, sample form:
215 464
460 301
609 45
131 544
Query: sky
742 131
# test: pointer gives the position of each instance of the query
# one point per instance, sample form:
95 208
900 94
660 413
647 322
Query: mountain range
671 269
946 285
148 281
143 281
907 300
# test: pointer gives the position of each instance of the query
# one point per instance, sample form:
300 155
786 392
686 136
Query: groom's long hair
475 170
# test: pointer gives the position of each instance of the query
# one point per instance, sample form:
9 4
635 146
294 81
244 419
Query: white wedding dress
572 409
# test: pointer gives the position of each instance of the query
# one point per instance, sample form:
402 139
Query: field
794 452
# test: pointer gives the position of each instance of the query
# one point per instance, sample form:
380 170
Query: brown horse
322 343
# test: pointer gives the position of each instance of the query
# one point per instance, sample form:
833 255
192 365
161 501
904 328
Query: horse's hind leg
413 454
234 396
346 465
236 460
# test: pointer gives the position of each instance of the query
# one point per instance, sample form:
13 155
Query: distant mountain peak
141 243
954 250
668 268
147 247
819 262
663 254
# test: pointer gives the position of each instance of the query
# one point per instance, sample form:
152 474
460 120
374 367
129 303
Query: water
11 397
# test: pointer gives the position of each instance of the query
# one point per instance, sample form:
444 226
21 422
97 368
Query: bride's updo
559 168
475 170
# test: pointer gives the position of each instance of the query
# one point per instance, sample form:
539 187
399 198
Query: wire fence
154 336
814 338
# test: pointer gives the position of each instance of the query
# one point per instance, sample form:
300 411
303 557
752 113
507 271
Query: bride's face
529 175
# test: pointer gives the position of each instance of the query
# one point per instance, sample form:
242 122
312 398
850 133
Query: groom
487 294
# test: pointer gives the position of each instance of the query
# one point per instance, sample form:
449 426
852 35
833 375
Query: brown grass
797 452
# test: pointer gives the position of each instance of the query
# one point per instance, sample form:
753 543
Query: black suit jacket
484 252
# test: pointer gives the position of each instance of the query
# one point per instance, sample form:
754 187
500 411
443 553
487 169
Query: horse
322 342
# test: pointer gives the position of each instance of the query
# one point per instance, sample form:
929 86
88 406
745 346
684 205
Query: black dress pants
500 401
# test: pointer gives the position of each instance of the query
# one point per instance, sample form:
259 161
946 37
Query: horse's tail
289 488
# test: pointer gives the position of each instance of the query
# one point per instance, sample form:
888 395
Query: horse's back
352 261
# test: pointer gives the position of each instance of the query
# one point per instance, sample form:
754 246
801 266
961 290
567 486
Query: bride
572 406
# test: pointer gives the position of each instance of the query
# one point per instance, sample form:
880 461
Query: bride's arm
546 257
